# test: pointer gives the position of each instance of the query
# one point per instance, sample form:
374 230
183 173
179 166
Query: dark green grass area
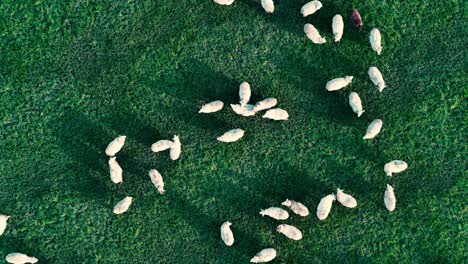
76 74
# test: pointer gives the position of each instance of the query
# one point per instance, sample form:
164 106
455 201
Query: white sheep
20 258
337 27
310 8
265 104
232 135
276 114
176 148
122 206
324 207
275 213
211 107
290 231
375 40
345 199
395 166
268 5
266 255
296 207
313 34
226 233
243 110
115 146
115 170
224 2
161 145
338 83
157 180
3 223
376 77
389 198
374 129
355 103
244 93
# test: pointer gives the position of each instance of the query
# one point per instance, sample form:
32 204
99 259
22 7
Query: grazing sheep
276 114
345 199
224 2
376 77
389 198
265 104
355 103
266 255
115 170
176 148
3 223
376 40
232 135
243 110
157 180
244 93
226 233
290 231
268 5
296 207
338 83
374 129
313 34
161 145
20 258
212 107
275 213
395 166
356 19
310 8
337 27
324 207
122 206
115 146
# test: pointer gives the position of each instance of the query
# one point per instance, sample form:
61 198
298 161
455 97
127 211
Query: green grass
75 74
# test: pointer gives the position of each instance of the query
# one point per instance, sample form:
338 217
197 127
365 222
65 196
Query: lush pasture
76 74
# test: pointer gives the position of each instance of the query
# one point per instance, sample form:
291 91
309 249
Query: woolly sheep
395 166
122 206
266 255
296 207
265 104
389 198
226 233
115 170
268 5
176 148
337 26
374 129
345 199
290 231
376 77
224 2
232 135
161 145
20 258
313 34
355 103
324 207
245 110
376 40
276 114
310 8
244 93
115 146
157 180
356 19
212 107
338 83
275 213
3 223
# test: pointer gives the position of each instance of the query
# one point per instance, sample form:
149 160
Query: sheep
232 135
115 146
395 166
266 255
157 180
268 5
324 207
212 107
313 34
389 198
310 8
374 129
122 206
375 40
115 170
226 233
276 114
376 77
176 148
275 213
161 145
243 110
244 93
337 27
356 19
265 104
355 103
3 223
338 83
224 2
345 199
20 258
296 207
290 231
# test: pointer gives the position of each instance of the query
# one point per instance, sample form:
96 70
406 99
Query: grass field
76 74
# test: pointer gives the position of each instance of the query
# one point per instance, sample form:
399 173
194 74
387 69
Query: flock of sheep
245 109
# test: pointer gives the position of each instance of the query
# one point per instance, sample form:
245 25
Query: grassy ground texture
76 74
